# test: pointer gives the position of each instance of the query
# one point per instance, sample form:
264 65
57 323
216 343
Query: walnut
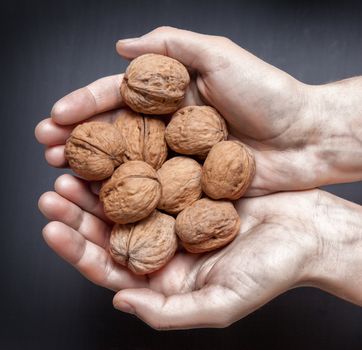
195 129
145 246
207 225
94 149
228 170
144 137
132 192
180 179
154 84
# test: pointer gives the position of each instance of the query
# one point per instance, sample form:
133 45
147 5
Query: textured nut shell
228 170
180 179
94 149
207 225
144 137
132 192
154 84
145 246
195 129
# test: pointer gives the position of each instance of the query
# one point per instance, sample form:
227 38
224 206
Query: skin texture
286 240
286 123
301 136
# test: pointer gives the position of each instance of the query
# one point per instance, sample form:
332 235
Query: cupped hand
278 248
286 239
264 107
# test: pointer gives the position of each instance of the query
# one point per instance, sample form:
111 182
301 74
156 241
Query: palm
80 234
218 288
229 267
262 261
275 144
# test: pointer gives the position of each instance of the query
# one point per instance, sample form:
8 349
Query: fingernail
122 306
127 41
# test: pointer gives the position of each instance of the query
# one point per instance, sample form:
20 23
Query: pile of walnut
142 191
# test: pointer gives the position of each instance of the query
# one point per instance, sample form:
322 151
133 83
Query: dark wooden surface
50 48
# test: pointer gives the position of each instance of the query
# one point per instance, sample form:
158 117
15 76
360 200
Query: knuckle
223 40
164 29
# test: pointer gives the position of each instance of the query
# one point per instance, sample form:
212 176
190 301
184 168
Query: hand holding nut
132 154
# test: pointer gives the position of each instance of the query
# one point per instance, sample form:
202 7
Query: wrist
334 146
336 264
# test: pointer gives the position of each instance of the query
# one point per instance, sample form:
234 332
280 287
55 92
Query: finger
54 155
211 306
79 192
49 133
89 259
99 96
56 208
192 49
252 212
192 96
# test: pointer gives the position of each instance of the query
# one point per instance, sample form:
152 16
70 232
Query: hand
286 240
294 129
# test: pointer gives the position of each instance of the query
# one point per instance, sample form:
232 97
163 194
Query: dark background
50 48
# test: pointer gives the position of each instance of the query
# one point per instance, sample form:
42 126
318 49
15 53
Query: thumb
212 306
192 49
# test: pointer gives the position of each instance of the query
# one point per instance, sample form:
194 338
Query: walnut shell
180 179
195 129
144 138
94 149
207 225
145 246
132 192
154 84
228 170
